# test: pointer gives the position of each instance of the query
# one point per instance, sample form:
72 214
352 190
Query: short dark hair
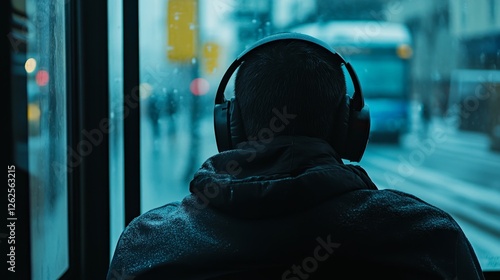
297 74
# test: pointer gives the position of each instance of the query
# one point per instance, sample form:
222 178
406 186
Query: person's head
293 74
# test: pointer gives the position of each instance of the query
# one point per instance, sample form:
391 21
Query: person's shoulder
407 197
136 240
409 205
174 214
158 213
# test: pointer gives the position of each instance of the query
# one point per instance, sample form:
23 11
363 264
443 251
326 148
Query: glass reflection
47 138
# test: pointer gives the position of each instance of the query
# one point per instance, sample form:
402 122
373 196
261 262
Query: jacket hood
286 175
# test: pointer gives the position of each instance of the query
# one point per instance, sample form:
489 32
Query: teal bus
380 53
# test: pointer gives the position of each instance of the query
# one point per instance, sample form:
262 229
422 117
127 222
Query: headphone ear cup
222 126
352 130
357 135
236 126
340 129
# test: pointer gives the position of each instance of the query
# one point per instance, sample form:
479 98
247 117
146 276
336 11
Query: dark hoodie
291 209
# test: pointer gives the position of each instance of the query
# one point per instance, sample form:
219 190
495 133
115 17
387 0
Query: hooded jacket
291 209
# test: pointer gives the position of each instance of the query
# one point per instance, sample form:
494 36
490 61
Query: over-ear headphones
352 127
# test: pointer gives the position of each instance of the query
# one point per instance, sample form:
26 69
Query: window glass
116 165
176 97
439 139
48 166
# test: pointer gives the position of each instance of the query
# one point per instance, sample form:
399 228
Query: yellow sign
210 57
182 30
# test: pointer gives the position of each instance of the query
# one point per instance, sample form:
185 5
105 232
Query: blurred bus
379 53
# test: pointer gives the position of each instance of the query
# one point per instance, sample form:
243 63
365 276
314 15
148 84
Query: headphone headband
352 124
357 101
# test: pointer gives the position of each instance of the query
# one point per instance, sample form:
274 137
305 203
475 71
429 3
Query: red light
199 86
42 78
